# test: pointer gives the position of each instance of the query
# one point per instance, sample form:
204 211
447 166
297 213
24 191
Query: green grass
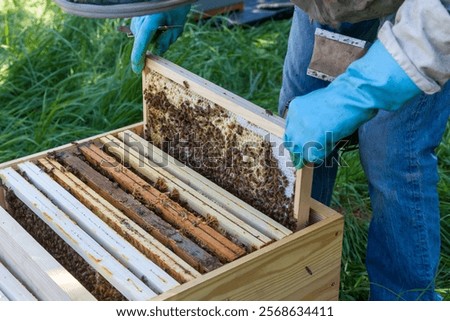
64 78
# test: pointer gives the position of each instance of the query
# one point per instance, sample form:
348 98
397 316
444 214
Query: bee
175 195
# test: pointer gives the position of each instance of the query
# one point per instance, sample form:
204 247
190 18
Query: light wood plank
132 232
35 267
2 197
12 288
302 197
152 275
234 205
198 202
304 266
96 256
321 210
226 99
145 110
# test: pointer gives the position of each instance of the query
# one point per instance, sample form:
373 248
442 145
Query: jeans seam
416 191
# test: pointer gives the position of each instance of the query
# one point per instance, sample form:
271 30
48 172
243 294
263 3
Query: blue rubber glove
317 121
145 29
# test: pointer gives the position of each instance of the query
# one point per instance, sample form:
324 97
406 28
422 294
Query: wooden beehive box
195 203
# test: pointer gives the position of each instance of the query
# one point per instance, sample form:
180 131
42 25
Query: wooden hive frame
303 265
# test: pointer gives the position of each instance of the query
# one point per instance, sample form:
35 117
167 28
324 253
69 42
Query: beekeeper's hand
317 121
145 31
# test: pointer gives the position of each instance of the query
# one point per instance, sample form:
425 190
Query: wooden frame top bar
224 98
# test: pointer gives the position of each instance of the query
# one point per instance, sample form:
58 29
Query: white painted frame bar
3 297
34 266
12 288
155 277
95 255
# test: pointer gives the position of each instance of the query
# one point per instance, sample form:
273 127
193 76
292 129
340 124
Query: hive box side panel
303 266
136 128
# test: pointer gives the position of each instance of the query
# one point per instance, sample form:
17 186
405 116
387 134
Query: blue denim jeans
397 154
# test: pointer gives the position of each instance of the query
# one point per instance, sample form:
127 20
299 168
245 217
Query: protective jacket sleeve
419 40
